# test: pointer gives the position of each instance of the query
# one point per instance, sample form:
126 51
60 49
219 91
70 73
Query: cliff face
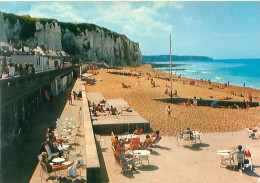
86 40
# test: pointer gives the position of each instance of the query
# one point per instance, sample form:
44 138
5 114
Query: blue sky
221 30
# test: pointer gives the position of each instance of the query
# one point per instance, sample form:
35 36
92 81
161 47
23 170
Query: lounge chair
45 171
156 141
123 165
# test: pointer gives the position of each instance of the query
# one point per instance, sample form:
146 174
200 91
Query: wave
217 77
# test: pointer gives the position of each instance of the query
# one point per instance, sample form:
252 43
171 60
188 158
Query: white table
224 155
66 138
141 154
67 130
196 136
58 160
63 147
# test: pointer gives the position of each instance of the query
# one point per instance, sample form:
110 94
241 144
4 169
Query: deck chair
51 154
124 166
134 144
156 141
48 175
240 158
116 156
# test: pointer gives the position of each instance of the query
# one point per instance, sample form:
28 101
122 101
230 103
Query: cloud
191 21
59 11
130 20
158 4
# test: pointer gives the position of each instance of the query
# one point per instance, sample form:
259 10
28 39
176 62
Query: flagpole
171 64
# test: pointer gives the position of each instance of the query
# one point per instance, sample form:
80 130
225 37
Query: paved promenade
69 111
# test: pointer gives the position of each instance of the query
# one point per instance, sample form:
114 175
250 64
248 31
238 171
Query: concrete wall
93 165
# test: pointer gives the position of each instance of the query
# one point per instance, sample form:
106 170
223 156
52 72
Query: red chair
134 144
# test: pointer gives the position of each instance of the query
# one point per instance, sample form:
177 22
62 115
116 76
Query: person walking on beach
195 101
169 111
69 97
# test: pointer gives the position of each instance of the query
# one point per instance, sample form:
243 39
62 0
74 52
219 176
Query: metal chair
44 170
48 149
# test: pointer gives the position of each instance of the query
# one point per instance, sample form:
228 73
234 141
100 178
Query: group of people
100 108
53 143
126 158
13 69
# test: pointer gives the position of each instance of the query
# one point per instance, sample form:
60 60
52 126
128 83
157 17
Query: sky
220 30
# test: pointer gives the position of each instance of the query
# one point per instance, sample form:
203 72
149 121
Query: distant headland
161 58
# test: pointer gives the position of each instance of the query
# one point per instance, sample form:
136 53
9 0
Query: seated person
246 161
103 101
156 137
188 131
175 93
100 108
52 144
125 158
166 91
80 94
129 109
148 141
188 102
115 142
51 130
53 168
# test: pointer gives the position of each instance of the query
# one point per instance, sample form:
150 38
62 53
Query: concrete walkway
69 111
187 163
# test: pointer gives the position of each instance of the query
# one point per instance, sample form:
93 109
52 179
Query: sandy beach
200 118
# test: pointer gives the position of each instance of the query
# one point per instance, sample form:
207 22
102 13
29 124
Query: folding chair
44 170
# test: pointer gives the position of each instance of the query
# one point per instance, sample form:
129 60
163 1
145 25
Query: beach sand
200 118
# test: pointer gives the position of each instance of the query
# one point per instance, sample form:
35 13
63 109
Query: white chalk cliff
96 44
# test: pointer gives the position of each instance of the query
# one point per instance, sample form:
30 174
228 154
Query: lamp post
171 65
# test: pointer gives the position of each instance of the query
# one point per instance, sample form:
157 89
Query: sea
235 71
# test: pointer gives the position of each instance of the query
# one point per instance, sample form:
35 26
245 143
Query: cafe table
141 154
58 160
224 156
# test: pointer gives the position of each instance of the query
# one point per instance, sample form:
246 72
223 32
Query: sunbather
53 168
156 137
148 141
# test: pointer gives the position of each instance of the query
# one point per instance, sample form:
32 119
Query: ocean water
236 71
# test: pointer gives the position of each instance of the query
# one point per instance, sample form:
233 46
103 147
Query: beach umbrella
213 103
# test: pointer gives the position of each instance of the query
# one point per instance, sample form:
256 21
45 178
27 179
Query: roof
39 49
